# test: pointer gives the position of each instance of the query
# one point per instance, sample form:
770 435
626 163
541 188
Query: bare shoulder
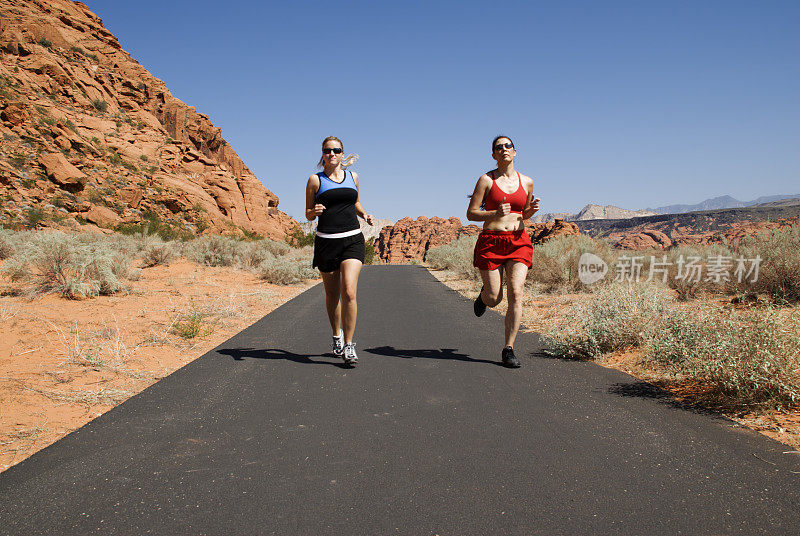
355 177
484 180
527 182
313 180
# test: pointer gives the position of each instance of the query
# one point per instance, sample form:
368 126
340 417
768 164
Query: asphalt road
269 434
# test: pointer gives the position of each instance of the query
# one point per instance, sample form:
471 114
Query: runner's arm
312 208
474 211
532 204
359 208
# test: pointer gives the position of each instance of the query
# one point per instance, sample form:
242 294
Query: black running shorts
330 252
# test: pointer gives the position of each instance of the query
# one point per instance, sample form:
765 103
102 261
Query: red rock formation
408 240
68 88
542 232
650 237
645 240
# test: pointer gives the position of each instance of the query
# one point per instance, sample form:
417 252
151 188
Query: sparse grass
190 324
100 105
45 42
91 397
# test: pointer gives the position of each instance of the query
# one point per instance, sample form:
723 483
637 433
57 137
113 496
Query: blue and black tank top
339 199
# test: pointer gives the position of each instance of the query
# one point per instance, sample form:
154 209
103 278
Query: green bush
369 255
299 239
100 105
45 42
751 356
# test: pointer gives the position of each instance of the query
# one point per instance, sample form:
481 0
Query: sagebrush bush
455 256
290 268
555 262
6 246
158 253
779 269
213 250
56 262
750 356
619 316
250 255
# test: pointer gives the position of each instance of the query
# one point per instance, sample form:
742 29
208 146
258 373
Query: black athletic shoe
509 359
479 307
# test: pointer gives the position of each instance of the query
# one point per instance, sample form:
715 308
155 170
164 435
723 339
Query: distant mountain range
610 212
717 203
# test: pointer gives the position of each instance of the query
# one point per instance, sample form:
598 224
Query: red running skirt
495 248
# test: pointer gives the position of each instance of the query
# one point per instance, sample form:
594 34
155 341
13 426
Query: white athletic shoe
338 344
350 357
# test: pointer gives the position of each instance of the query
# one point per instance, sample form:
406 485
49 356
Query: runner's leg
515 285
330 280
492 287
350 269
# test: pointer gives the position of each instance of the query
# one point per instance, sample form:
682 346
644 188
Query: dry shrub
250 255
213 250
779 270
158 253
455 256
619 316
6 247
288 269
555 262
52 261
750 357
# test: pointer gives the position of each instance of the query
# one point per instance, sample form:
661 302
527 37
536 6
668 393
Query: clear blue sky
635 104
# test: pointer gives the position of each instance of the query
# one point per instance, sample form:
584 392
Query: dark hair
494 141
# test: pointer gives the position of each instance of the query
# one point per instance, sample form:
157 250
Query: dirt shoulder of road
541 312
65 362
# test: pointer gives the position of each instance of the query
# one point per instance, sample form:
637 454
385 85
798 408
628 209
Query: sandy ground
65 362
539 312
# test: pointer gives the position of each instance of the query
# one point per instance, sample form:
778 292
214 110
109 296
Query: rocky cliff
90 136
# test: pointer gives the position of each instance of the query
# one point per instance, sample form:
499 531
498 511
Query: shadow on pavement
641 389
441 353
276 353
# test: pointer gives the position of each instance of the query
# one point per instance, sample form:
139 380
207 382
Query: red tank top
496 196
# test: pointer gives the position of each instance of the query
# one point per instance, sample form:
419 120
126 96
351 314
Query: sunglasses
334 150
501 146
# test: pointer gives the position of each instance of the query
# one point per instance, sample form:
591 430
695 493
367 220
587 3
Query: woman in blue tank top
339 249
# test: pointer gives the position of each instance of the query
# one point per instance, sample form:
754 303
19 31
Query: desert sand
65 362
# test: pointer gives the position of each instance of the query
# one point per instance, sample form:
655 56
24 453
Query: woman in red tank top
503 199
